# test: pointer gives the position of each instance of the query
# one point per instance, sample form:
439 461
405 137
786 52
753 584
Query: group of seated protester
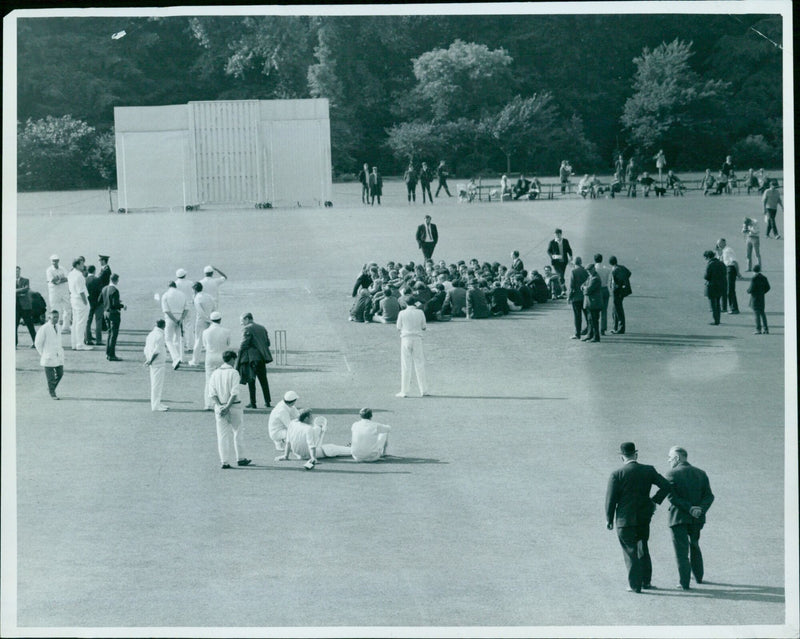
522 188
757 180
466 289
717 185
592 187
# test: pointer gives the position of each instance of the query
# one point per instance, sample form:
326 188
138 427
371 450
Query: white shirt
77 285
428 235
53 272
216 340
411 322
173 301
48 345
224 382
211 286
280 418
752 229
603 272
155 343
364 441
204 305
302 438
185 286
728 256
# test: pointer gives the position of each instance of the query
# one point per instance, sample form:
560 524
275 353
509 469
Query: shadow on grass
485 397
732 592
344 411
70 372
323 467
386 459
120 399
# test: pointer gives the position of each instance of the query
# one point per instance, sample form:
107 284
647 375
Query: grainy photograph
400 320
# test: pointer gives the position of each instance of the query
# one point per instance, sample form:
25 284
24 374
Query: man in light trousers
155 358
411 324
79 301
58 292
175 307
216 340
224 392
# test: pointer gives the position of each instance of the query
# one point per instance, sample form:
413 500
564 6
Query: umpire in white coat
155 357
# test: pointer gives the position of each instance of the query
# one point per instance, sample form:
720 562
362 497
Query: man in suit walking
51 351
427 237
24 307
576 279
112 308
628 499
716 283
560 253
253 358
690 498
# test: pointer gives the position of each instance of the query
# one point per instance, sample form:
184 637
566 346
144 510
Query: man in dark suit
628 498
253 358
619 283
716 283
576 280
95 286
112 309
560 253
427 237
690 498
592 304
24 307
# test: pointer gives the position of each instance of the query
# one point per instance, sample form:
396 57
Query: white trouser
188 334
278 437
59 301
229 434
156 384
380 449
212 363
199 326
172 336
80 315
411 356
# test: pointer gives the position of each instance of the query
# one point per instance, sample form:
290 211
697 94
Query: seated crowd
464 289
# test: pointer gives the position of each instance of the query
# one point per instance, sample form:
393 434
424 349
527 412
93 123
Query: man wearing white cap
211 284
280 417
411 324
203 305
79 300
58 292
184 285
216 340
175 308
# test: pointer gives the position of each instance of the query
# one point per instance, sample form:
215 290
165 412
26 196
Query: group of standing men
372 182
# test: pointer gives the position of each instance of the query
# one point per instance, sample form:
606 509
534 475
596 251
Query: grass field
491 512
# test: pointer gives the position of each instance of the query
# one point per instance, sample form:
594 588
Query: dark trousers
618 314
427 249
593 322
577 312
426 187
26 315
113 331
604 310
633 540
260 370
443 185
53 375
96 316
686 541
412 192
771 226
715 307
373 196
560 268
365 193
761 317
732 303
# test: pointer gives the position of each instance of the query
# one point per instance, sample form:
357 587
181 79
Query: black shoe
584 332
636 590
54 396
250 406
176 366
114 358
698 580
226 466
244 462
649 587
733 312
88 342
99 344
682 587
713 323
268 405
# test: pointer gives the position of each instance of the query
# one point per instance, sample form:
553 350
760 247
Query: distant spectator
375 186
410 178
521 187
363 177
535 188
759 287
771 199
564 172
708 182
675 183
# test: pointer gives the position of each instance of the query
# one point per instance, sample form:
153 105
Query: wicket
280 347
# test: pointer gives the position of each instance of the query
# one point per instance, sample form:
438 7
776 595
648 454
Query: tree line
488 94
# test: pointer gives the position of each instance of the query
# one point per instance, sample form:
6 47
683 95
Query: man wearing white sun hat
211 284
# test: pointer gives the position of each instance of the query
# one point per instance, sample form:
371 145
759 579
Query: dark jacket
592 293
552 249
255 345
24 294
576 279
109 297
628 494
689 486
759 287
421 234
716 278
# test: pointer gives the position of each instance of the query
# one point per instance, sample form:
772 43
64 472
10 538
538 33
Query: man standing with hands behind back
690 499
427 237
254 356
628 498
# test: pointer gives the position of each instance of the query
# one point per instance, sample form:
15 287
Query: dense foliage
486 93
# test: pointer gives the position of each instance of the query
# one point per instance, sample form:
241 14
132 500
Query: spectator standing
24 308
759 287
592 303
564 171
752 241
604 273
631 173
661 164
425 179
51 352
427 237
254 356
410 178
771 199
363 177
94 286
620 285
732 274
715 283
577 278
442 175
560 253
155 358
112 310
375 186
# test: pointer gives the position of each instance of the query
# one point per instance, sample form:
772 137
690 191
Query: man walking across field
771 199
427 237
224 393
411 324
51 351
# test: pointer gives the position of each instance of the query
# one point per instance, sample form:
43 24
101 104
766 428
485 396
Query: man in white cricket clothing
211 284
203 306
224 392
184 285
411 324
175 308
216 340
281 416
155 358
58 292
79 301
369 439
304 439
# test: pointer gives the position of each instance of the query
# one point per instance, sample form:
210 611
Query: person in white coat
58 292
175 307
281 416
369 439
203 307
51 351
184 285
79 301
224 392
411 324
216 340
155 354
